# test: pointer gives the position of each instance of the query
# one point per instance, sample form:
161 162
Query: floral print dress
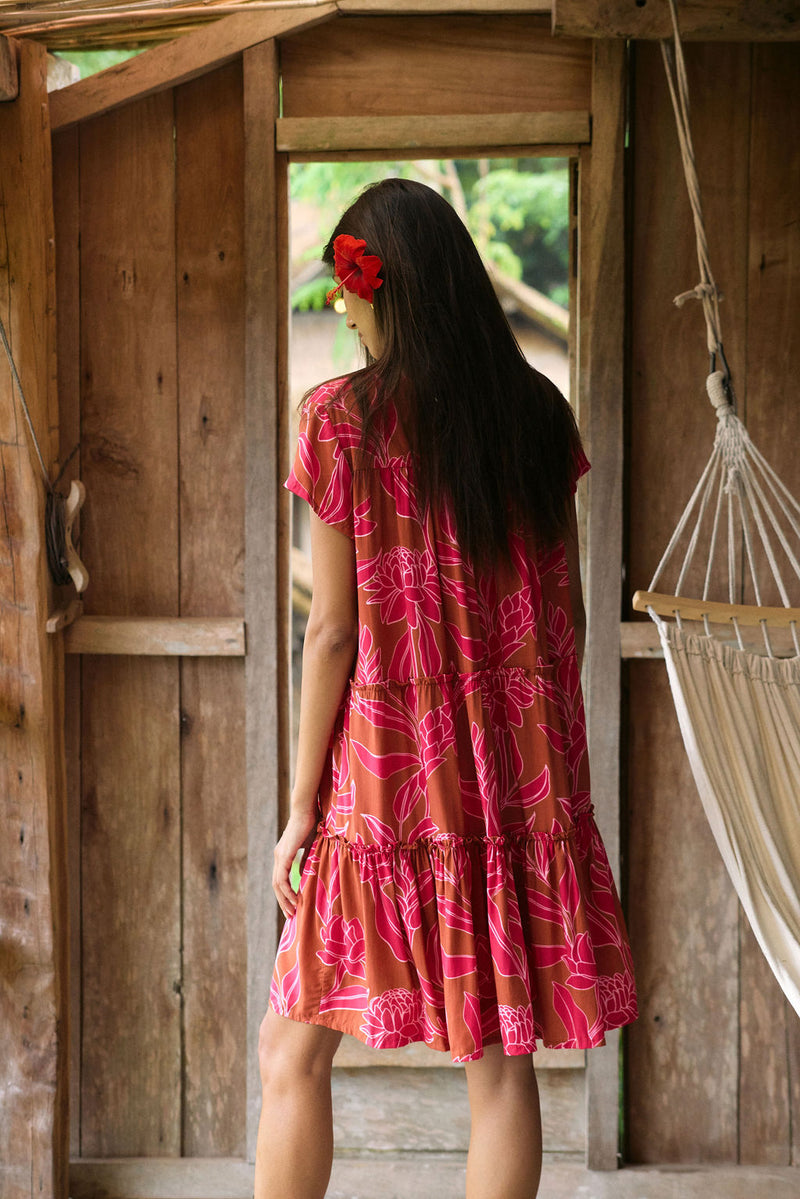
458 891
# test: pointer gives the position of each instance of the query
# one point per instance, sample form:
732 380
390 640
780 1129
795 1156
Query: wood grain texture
682 1055
131 1070
34 956
210 313
769 1025
176 61
173 636
9 75
703 20
328 134
266 751
66 209
600 411
432 65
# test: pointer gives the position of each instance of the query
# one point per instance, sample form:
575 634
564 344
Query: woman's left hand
298 834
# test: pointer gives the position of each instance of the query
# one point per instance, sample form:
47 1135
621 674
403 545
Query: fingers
281 884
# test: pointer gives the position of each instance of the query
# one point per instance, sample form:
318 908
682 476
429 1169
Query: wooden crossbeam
181 636
418 133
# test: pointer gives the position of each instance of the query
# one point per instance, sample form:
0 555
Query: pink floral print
457 892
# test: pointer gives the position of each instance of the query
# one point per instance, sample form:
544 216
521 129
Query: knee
289 1051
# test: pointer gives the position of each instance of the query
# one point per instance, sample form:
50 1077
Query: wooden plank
284 454
34 1130
703 20
210 285
131 1070
599 403
769 1025
265 751
177 61
182 636
66 207
309 134
9 75
442 151
682 1055
453 64
479 7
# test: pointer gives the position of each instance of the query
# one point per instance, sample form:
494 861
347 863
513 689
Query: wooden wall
713 1065
149 209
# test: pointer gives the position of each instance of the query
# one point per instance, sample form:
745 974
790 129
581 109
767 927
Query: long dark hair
489 434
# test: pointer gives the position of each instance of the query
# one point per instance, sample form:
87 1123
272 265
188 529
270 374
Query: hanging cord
55 501
706 290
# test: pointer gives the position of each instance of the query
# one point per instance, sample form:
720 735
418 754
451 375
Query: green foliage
89 62
517 212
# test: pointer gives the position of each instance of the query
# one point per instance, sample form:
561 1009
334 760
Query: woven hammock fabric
739 715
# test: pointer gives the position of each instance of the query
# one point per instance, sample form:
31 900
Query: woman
455 888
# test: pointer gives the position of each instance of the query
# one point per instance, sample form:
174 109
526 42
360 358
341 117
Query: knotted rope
706 290
55 502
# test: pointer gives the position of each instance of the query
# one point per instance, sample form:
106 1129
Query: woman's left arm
330 646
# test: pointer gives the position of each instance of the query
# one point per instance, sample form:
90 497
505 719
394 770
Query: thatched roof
63 24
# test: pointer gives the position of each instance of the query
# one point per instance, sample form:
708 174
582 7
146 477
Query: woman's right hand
298 834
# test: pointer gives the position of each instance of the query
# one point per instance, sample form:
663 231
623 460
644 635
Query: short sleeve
321 473
580 465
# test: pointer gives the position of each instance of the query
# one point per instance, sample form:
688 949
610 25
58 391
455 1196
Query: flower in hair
358 271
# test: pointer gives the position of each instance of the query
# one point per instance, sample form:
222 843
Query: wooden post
600 391
266 572
9 77
33 900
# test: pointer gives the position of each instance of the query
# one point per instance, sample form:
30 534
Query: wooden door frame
599 374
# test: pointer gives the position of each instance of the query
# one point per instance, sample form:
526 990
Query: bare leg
505 1145
294 1152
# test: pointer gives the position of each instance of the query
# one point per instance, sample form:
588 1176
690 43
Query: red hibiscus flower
357 271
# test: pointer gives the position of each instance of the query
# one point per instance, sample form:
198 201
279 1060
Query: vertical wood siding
712 1062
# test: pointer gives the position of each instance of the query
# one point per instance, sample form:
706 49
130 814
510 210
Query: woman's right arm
575 588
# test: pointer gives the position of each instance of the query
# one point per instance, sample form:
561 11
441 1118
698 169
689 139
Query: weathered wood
456 64
418 133
66 207
210 312
176 61
478 7
600 407
284 454
9 75
265 751
175 636
684 923
131 1028
34 1128
769 1025
475 151
703 20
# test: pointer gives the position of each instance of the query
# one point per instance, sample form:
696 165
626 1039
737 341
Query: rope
706 290
55 501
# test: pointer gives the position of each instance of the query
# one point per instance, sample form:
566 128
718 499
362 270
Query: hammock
737 697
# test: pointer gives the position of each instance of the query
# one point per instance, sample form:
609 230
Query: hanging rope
55 501
706 290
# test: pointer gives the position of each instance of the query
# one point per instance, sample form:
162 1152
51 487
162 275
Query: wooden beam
33 885
266 750
9 76
400 154
177 61
182 636
702 20
426 133
431 7
600 405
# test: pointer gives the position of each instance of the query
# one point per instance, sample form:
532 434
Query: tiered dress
458 891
